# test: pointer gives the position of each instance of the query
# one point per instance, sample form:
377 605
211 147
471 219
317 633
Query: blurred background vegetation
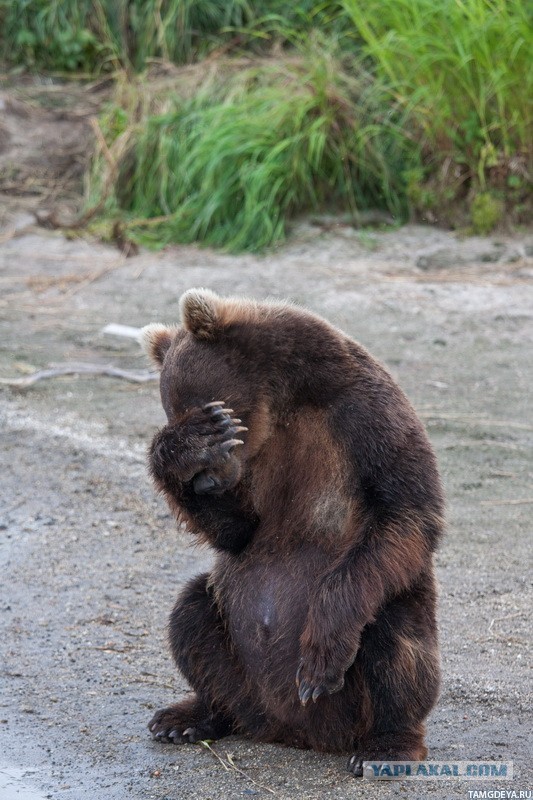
228 118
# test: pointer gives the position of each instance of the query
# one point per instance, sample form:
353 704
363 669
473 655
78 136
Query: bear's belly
266 609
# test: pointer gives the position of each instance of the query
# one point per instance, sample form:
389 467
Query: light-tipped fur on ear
207 316
201 313
155 340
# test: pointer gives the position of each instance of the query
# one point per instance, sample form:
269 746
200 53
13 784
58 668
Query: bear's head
251 355
207 358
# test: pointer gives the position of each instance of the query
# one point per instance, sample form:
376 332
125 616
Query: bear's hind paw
176 725
391 746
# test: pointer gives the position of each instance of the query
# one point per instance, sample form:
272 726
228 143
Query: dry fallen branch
125 331
141 376
71 283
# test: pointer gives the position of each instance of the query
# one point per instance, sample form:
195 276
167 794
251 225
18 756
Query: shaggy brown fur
319 490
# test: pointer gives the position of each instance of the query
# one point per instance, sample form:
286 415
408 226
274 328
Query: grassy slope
417 106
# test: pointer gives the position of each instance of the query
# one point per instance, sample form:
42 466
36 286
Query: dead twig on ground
142 376
464 276
502 619
482 443
40 283
230 766
525 501
111 648
153 683
475 419
91 277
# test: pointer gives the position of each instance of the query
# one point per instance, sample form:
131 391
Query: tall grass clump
91 35
232 164
95 35
462 71
50 34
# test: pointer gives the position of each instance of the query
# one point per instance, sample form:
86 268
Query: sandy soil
91 560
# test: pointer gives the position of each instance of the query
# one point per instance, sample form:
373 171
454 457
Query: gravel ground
91 560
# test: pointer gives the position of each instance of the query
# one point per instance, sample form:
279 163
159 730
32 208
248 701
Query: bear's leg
401 672
202 652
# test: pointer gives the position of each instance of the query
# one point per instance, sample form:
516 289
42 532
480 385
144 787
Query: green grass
93 35
462 70
420 107
50 34
232 164
96 35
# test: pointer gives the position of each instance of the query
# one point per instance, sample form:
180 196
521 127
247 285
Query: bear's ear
202 313
155 340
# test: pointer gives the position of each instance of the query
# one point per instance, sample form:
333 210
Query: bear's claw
225 424
311 688
355 766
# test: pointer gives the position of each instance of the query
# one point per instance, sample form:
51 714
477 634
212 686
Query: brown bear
295 455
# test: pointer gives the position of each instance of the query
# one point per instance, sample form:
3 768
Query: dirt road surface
91 560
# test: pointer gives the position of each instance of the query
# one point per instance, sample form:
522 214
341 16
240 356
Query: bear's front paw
199 449
315 678
224 471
